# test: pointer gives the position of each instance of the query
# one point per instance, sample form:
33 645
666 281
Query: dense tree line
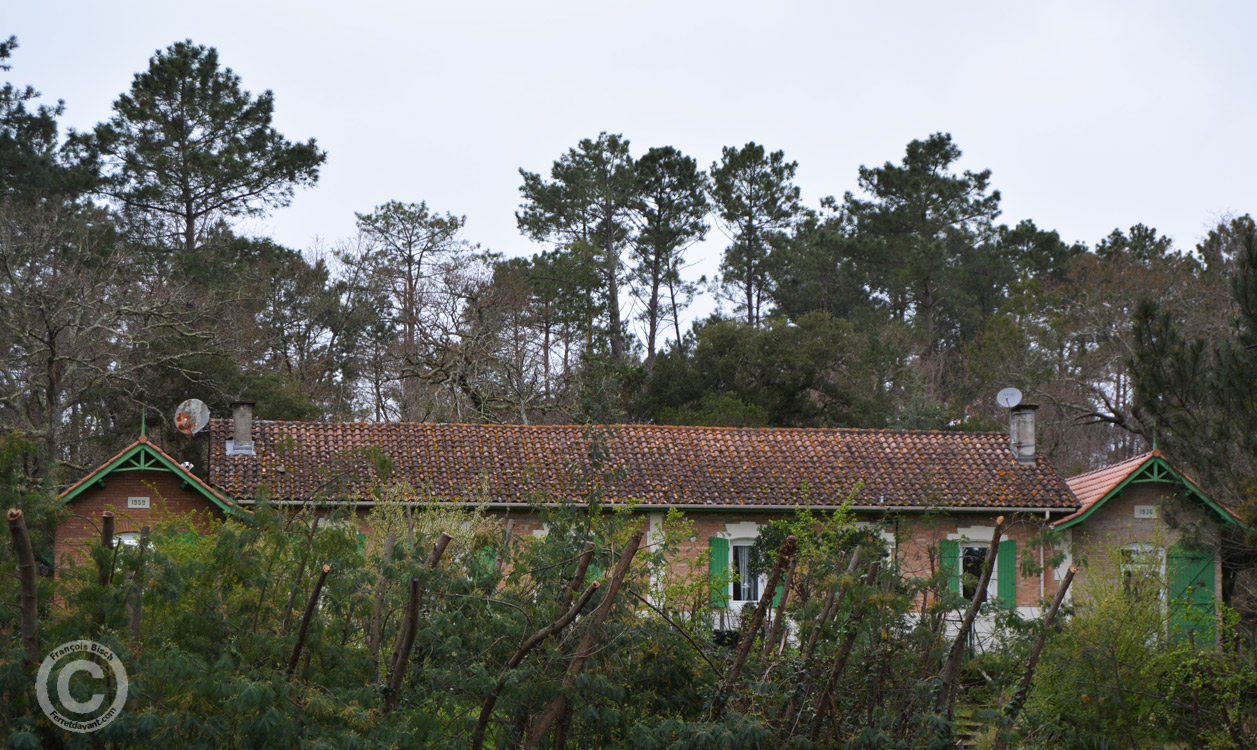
902 303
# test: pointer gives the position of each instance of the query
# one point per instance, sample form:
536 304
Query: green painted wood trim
152 460
141 460
1155 467
949 563
1192 596
1006 572
718 570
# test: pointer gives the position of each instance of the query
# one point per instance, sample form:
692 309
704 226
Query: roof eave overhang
1177 477
161 462
696 508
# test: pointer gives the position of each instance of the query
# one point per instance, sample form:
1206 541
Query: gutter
656 507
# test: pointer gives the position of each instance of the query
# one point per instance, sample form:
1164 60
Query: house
1144 516
141 482
936 494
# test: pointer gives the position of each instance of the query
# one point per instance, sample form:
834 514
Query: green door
1191 592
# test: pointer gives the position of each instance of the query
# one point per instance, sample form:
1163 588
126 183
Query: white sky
1091 115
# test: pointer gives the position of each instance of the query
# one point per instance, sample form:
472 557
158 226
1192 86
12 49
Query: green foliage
715 410
926 234
816 371
757 201
820 269
30 165
673 211
187 146
586 208
1197 390
222 606
1113 675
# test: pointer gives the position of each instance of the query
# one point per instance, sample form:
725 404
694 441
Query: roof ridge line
1107 467
630 425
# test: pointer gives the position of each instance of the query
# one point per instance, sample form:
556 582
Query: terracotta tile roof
1089 488
657 465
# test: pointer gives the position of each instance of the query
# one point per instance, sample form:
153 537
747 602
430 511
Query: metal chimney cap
244 403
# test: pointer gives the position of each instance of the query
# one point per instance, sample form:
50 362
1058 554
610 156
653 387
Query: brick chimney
1021 433
241 442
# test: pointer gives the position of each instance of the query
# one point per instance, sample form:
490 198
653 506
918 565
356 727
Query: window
729 566
961 561
126 545
971 560
1141 568
745 585
345 525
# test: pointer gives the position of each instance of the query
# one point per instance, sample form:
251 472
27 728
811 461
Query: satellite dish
1008 398
191 416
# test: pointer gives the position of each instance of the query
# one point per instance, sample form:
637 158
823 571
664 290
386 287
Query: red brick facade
917 536
168 498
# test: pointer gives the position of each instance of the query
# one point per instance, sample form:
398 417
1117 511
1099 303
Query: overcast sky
1090 115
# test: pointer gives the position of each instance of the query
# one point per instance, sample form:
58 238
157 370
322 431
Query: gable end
144 456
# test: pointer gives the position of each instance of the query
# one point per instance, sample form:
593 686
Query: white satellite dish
1008 398
191 416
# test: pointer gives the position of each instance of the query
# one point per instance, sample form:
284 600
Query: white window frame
887 535
977 536
734 582
1154 562
127 539
740 534
982 548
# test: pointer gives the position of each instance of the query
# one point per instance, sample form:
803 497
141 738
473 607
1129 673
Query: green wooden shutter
1191 593
718 570
777 596
596 562
1006 570
949 563
362 542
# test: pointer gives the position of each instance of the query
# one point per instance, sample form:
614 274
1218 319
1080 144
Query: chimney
1021 433
241 442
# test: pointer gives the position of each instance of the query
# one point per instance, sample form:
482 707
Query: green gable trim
1155 470
142 456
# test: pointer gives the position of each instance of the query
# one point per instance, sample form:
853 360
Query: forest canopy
901 302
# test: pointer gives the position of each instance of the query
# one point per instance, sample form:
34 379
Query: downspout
1042 570
1047 518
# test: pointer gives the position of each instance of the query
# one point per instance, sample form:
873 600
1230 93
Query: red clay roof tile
652 464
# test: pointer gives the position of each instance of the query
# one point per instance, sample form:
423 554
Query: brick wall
917 535
168 498
1098 539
